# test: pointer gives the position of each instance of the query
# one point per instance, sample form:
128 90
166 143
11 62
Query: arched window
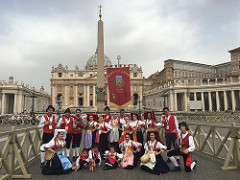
135 99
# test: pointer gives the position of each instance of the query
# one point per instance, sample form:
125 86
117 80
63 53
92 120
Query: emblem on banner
119 82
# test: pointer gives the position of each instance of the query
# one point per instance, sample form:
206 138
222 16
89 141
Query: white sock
193 165
73 149
77 151
174 161
67 152
42 157
177 157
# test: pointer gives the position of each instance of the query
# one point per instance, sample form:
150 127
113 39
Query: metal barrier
19 148
213 119
209 141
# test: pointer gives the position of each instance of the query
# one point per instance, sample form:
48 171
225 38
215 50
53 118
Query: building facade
19 98
77 88
189 86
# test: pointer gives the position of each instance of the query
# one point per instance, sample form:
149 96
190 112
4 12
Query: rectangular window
59 74
135 74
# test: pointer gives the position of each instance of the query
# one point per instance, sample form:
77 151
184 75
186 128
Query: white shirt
136 124
148 122
151 144
43 120
190 141
90 152
51 144
79 158
101 126
126 145
67 120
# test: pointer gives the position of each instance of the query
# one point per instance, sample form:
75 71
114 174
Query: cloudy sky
38 34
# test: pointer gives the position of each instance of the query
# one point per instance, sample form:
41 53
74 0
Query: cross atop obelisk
100 66
100 11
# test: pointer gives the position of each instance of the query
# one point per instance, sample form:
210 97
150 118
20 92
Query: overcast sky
38 34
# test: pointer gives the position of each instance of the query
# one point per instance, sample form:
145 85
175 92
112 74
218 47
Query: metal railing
209 140
18 148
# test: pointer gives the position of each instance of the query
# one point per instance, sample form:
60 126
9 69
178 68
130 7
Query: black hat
106 108
50 107
183 124
67 111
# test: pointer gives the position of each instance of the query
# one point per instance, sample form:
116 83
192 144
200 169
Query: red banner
119 86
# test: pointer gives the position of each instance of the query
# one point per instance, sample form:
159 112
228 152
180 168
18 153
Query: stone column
175 102
195 96
66 98
3 103
94 95
225 100
76 96
15 110
20 103
88 95
217 101
186 101
233 100
54 97
210 101
203 101
171 96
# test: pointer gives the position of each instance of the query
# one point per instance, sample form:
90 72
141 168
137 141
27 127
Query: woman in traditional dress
107 117
126 128
58 163
90 133
153 149
138 126
151 124
129 148
116 123
103 129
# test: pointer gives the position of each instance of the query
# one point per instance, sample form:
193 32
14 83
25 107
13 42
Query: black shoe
168 160
74 158
105 168
42 165
195 164
178 161
176 168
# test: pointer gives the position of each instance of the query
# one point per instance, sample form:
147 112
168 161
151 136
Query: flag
119 86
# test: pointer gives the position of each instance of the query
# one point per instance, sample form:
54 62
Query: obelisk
100 66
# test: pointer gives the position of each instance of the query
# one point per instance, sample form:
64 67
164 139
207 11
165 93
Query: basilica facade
77 88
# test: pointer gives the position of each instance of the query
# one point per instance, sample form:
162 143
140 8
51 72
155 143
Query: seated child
83 160
95 157
112 158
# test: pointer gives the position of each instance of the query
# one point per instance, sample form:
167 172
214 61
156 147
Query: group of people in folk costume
131 141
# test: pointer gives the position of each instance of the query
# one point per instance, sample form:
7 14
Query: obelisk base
100 102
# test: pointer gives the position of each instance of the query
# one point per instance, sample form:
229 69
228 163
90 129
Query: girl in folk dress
129 149
103 129
126 128
115 122
58 163
151 124
112 159
154 148
138 126
90 133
